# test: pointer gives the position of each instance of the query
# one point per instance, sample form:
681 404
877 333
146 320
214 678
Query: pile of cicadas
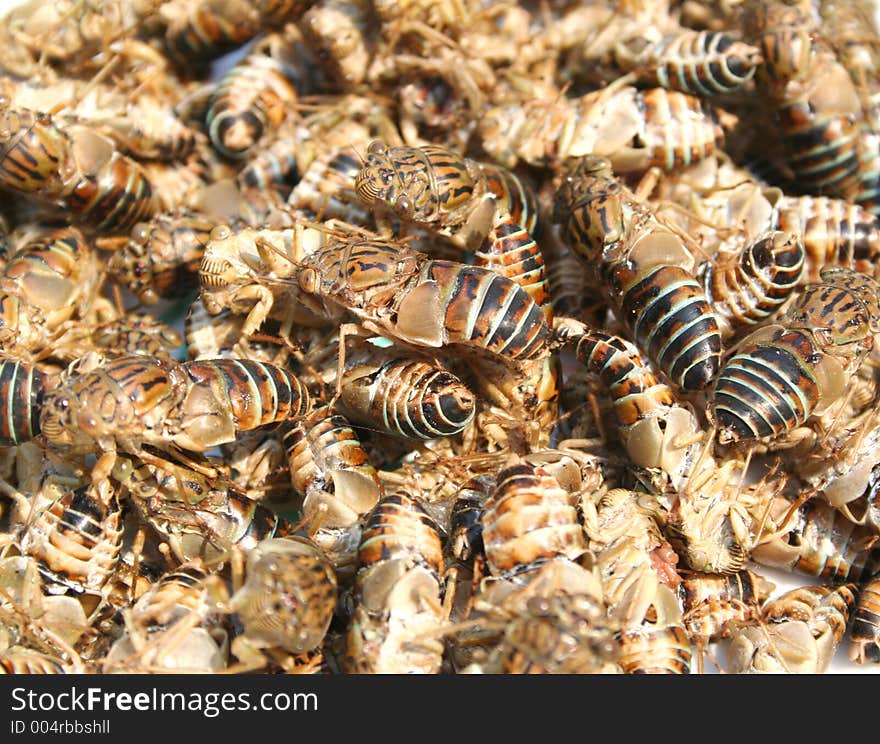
439 337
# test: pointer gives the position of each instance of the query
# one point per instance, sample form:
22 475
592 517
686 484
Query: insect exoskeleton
135 400
529 518
402 294
45 284
248 271
749 288
865 630
638 572
817 540
173 627
397 613
783 373
402 395
716 604
702 63
161 258
288 597
657 430
834 233
22 387
645 270
251 102
75 533
798 632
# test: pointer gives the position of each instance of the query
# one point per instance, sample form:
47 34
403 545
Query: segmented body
162 257
330 468
528 518
75 536
833 231
405 397
716 604
251 101
194 405
865 631
799 632
645 271
427 302
22 387
757 283
819 541
774 382
702 63
397 592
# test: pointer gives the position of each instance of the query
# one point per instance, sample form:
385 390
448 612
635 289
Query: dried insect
645 270
397 593
715 604
798 632
403 396
22 387
865 631
46 286
173 627
287 599
72 166
404 295
702 63
330 469
834 233
131 401
784 372
815 539
635 130
251 102
750 287
656 430
528 518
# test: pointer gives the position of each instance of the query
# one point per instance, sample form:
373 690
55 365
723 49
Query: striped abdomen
865 631
635 389
767 388
702 63
36 156
328 465
76 538
21 389
465 541
115 197
756 283
679 130
482 308
406 397
429 184
399 529
833 231
529 518
327 189
655 650
255 394
822 149
714 604
671 321
251 100
202 31
511 251
819 541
